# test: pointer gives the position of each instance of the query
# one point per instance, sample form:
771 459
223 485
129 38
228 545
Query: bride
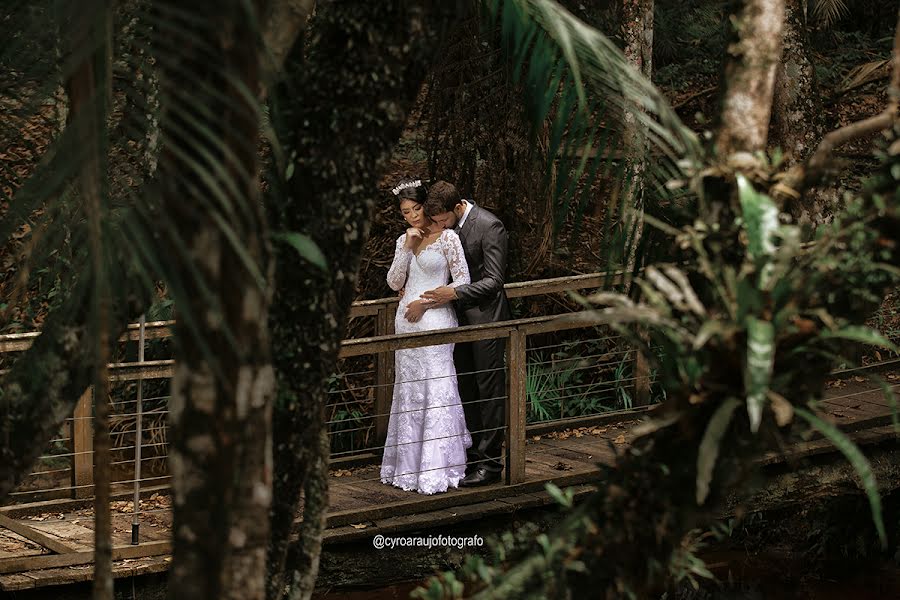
427 436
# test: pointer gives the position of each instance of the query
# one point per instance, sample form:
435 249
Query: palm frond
829 12
610 128
147 37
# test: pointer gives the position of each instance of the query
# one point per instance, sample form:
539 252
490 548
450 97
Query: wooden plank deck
360 505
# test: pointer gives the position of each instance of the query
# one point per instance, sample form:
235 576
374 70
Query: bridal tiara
408 184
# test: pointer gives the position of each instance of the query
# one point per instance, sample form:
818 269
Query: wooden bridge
46 536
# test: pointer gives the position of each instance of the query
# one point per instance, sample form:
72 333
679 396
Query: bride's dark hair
410 189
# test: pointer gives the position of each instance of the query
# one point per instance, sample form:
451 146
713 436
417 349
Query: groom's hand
441 295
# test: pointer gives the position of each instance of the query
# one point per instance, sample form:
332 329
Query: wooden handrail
17 342
519 289
469 333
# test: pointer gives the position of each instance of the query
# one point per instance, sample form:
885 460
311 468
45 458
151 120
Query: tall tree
89 90
220 409
340 109
637 33
797 113
749 76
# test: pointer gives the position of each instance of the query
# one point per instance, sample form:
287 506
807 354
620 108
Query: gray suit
480 364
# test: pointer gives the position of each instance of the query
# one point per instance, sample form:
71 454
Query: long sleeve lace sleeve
396 277
456 258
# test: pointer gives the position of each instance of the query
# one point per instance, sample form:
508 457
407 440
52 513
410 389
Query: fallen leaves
579 432
46 516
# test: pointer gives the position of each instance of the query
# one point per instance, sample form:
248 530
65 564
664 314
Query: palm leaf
862 334
606 119
147 36
829 12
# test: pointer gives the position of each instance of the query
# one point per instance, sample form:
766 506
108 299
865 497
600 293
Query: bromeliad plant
749 325
755 320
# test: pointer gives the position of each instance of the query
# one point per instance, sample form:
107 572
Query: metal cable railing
591 372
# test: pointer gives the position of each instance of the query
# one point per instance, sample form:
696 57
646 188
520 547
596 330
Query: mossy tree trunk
343 105
220 436
637 32
797 114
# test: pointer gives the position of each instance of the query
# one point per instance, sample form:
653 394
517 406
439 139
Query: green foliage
709 446
579 380
305 247
45 45
743 315
563 498
685 565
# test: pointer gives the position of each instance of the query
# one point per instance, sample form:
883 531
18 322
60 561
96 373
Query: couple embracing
447 418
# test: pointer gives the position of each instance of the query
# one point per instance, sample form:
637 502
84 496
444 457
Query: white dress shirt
462 220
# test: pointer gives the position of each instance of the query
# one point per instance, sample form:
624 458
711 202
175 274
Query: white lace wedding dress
427 437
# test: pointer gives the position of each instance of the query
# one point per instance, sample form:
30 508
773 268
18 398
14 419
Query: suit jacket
484 242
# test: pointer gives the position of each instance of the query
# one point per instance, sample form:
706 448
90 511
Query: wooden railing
385 309
382 345
516 334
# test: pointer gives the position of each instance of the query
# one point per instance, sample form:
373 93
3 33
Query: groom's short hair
442 197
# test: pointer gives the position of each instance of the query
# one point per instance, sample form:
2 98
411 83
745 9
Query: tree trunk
637 31
89 91
797 123
797 116
343 107
749 76
220 448
283 24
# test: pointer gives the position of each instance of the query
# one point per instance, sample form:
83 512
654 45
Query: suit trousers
480 368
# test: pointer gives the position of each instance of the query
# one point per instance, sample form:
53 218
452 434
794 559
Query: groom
479 364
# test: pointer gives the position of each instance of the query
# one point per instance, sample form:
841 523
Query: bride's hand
414 237
415 310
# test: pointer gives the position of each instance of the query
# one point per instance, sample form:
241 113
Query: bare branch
802 177
820 159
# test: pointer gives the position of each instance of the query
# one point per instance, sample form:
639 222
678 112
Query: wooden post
83 445
384 373
641 374
515 406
